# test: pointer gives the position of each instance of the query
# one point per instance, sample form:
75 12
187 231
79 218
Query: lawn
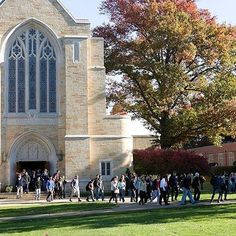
195 220
50 208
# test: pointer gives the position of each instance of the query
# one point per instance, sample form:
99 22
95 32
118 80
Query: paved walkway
121 207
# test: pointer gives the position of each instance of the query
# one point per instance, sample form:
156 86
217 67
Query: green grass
217 220
49 208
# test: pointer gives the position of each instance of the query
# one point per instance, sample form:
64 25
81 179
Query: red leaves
159 161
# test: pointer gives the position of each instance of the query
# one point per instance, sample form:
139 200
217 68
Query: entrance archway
30 149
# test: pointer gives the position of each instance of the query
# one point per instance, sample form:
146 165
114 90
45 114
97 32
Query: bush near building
219 170
160 161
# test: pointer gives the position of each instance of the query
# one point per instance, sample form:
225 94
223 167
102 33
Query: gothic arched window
32 74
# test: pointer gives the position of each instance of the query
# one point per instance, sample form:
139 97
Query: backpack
214 181
87 187
221 181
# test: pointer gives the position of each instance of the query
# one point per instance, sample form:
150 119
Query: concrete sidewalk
120 207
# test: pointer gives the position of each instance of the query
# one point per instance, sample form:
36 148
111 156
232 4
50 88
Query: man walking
75 190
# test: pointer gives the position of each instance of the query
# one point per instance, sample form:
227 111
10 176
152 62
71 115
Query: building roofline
77 21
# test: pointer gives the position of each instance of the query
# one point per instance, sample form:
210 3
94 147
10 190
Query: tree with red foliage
177 65
159 161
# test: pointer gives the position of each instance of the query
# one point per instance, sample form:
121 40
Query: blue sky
88 9
224 10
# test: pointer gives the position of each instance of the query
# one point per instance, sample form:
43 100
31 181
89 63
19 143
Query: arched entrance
31 151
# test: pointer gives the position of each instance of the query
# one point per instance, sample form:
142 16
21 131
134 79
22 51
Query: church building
53 105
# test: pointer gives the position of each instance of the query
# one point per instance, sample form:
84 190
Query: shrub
8 188
159 161
219 170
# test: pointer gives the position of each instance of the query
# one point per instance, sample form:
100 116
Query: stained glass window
32 51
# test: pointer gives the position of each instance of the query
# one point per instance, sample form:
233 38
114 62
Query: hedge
219 170
159 161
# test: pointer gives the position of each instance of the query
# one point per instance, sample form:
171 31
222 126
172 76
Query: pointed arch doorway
32 151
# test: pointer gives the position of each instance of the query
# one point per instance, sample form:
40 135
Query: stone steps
29 196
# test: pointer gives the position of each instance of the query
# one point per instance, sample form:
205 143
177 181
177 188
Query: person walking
174 186
196 187
132 190
186 190
19 186
75 190
114 189
163 190
156 189
216 187
50 188
100 189
27 180
137 184
38 185
122 187
90 189
143 191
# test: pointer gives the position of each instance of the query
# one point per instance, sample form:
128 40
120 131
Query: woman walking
114 189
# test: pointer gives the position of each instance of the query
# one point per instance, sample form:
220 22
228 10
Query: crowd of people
138 188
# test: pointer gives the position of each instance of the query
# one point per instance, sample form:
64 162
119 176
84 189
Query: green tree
177 66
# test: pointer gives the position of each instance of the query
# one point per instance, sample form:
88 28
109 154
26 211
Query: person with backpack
186 190
224 186
216 182
90 189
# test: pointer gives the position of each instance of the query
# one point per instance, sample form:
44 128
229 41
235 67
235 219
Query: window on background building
221 159
76 52
31 74
105 167
230 158
211 158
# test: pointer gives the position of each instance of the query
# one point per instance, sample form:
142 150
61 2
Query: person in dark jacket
174 186
19 186
38 185
196 187
90 189
186 190
216 187
224 186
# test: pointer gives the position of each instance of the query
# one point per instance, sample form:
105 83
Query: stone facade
142 141
79 136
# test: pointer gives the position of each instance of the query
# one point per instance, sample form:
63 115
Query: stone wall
81 133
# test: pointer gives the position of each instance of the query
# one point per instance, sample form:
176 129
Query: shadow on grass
160 216
50 208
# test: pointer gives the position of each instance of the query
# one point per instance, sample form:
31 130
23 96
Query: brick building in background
224 155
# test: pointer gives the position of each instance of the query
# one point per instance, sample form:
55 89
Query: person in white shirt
114 189
163 190
75 190
122 186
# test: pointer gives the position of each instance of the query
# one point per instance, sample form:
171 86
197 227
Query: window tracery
32 73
